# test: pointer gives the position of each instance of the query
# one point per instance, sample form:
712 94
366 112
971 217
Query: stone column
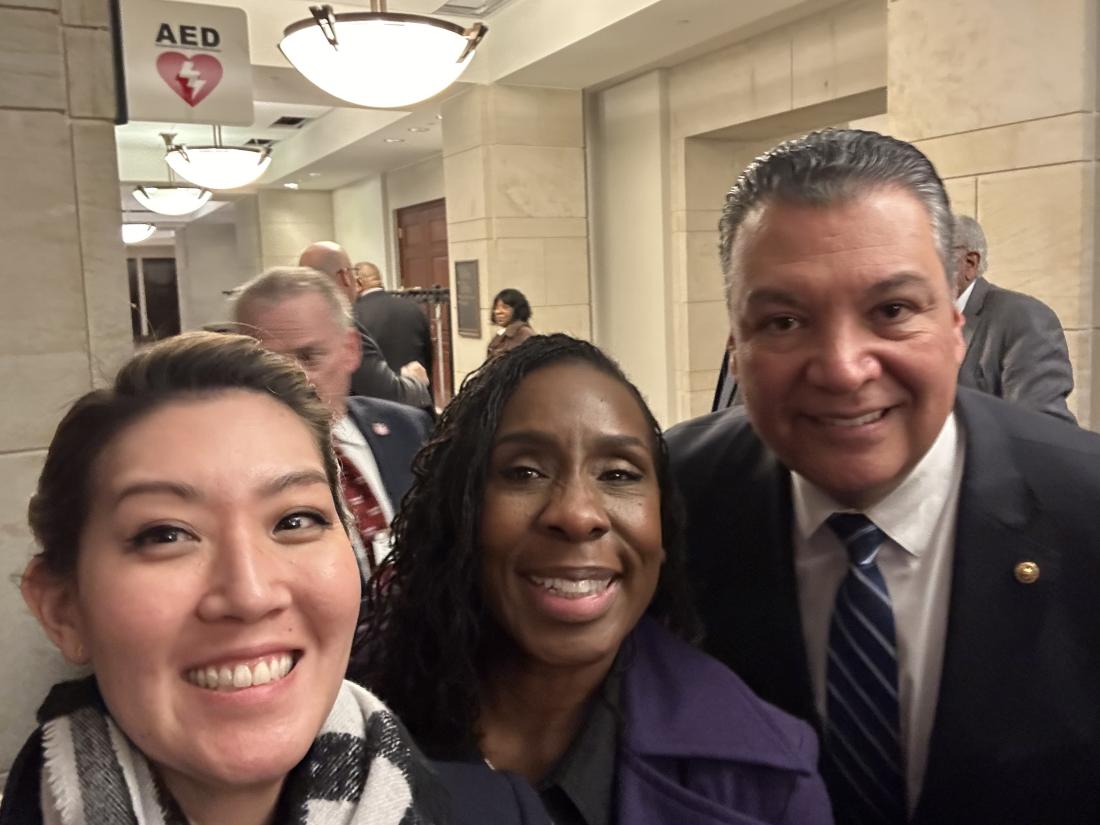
1003 98
65 317
514 170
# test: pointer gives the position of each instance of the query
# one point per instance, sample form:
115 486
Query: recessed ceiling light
418 128
315 174
439 117
291 184
395 140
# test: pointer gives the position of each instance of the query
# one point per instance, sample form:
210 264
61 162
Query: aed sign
186 63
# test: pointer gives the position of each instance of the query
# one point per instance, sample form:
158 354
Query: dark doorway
154 298
422 253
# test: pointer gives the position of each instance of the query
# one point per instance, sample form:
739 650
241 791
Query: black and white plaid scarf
362 768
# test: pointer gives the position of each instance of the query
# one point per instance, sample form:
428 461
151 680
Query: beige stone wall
628 182
289 222
208 264
514 172
1003 98
64 321
724 109
359 221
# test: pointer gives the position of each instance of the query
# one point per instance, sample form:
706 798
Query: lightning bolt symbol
190 79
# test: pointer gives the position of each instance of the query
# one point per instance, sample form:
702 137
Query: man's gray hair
832 166
970 237
282 283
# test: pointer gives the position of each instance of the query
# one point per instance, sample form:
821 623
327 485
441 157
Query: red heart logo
192 78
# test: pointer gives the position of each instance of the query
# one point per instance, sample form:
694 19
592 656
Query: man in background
373 376
1015 346
298 312
397 324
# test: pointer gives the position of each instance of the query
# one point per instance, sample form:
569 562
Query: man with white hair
298 312
373 377
1015 347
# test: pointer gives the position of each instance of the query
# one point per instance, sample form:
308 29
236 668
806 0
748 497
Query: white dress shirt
960 302
919 519
353 445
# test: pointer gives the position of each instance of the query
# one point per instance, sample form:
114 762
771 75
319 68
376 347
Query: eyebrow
899 280
610 441
295 478
771 295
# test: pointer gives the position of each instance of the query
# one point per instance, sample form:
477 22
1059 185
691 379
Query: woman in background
533 613
511 312
193 555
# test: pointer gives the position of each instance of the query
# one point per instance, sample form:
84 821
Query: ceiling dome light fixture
137 232
378 58
172 200
218 166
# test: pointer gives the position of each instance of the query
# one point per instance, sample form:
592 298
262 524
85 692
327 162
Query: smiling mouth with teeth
241 676
858 421
573 588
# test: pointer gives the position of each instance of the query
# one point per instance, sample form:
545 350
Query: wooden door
422 253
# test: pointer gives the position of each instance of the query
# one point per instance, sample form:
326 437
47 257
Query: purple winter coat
699 748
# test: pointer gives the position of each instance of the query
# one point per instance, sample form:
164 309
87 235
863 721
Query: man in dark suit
914 569
299 312
1015 346
397 324
373 377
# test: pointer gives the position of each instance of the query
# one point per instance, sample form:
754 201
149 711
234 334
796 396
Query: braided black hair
425 644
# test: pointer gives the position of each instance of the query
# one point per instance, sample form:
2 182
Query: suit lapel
769 618
973 309
988 664
382 445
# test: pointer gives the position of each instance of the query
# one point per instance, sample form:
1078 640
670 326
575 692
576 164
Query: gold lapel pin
1026 572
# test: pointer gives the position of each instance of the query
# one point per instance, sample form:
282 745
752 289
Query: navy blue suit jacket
1016 736
394 433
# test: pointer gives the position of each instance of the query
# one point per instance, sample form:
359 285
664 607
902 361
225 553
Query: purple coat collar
698 743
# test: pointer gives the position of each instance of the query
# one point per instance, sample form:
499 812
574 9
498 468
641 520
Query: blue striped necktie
863 763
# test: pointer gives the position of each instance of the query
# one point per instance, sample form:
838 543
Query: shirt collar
908 514
585 774
960 302
345 431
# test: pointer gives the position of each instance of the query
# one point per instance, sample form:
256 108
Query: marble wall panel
106 287
957 67
839 53
528 116
40 389
43 307
536 182
1043 142
744 82
32 663
32 71
465 121
708 331
1037 226
465 184
91 73
84 12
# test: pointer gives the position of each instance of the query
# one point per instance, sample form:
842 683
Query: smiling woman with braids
533 612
